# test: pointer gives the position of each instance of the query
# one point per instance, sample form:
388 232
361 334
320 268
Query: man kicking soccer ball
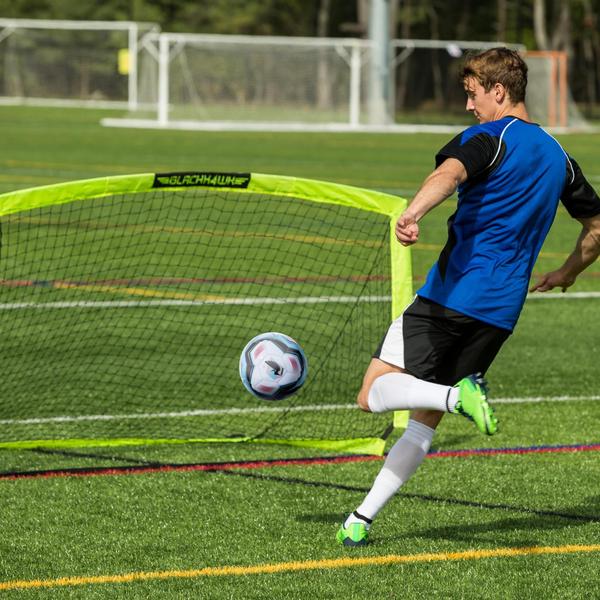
510 175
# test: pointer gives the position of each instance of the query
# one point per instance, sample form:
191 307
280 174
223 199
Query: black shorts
438 344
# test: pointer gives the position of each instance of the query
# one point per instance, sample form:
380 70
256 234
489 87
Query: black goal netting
125 316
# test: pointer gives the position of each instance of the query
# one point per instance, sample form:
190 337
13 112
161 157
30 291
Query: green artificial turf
162 521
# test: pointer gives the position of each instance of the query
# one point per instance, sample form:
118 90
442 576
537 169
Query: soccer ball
273 366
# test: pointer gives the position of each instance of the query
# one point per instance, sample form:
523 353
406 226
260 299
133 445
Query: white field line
199 302
534 399
256 410
563 296
177 415
247 301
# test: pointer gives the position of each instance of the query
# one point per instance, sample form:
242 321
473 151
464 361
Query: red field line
221 466
287 462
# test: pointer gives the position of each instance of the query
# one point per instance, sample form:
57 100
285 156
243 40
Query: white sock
401 391
401 462
356 517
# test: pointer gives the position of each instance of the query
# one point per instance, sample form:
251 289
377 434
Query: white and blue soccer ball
273 366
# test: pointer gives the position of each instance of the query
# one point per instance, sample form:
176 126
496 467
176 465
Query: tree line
569 25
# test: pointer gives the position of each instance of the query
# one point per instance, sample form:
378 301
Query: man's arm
438 186
585 253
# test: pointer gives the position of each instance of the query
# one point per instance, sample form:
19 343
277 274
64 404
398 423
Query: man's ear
499 92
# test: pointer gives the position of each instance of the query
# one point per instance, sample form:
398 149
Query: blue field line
544 449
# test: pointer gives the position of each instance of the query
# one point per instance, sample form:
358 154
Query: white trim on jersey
500 142
566 155
549 135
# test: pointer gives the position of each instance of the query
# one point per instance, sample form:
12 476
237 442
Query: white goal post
263 83
254 83
225 82
220 79
71 63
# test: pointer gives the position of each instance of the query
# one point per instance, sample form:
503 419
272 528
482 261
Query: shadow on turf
588 512
520 531
323 518
539 519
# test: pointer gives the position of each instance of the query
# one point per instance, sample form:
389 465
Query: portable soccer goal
126 302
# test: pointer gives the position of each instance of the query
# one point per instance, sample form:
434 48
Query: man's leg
388 387
447 346
376 369
402 461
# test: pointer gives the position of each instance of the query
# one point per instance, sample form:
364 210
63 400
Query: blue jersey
516 175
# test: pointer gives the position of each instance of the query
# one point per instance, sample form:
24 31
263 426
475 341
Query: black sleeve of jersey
478 155
578 196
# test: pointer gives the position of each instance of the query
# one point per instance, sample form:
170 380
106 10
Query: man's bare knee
376 369
363 399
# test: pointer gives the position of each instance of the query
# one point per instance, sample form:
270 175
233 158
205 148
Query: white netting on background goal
70 63
270 83
199 81
215 78
549 98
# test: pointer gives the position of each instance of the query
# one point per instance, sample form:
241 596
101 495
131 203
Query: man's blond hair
498 65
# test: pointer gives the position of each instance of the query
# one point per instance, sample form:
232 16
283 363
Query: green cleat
472 403
356 534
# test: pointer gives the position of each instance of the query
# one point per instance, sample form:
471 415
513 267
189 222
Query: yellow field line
133 291
219 233
72 166
29 178
251 234
307 565
240 234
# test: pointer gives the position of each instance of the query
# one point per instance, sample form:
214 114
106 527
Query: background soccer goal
125 303
50 62
242 82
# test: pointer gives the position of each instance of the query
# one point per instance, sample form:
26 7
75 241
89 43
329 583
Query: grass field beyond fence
512 516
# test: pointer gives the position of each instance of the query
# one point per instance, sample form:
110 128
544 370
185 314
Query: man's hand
407 229
587 250
435 189
549 281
